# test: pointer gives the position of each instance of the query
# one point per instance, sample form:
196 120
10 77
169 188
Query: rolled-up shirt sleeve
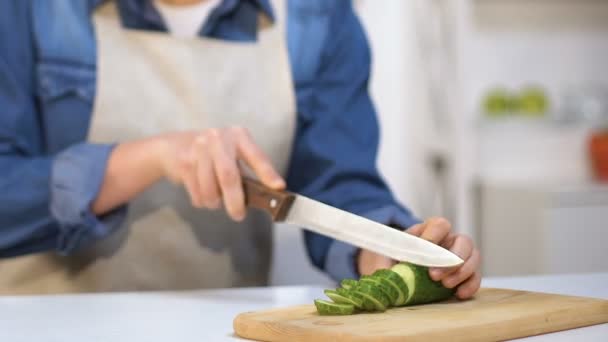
76 178
46 201
45 198
334 154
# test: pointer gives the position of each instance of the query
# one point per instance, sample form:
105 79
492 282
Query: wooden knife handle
275 202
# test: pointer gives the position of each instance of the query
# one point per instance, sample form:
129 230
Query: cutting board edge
242 330
272 331
299 334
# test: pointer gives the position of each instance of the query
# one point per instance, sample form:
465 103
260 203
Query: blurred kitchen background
494 114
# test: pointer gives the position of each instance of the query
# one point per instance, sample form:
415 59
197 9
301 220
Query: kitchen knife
294 209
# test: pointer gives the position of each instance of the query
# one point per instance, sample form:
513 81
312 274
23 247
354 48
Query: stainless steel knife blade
303 212
361 232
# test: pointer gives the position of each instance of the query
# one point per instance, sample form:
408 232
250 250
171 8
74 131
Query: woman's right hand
206 164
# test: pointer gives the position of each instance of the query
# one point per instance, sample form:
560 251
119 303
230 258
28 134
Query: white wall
389 28
557 43
554 43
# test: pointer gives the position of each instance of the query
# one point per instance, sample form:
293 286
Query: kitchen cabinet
543 229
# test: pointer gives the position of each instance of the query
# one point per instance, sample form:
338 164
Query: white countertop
207 315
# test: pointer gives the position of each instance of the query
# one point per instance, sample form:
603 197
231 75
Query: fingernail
196 203
239 217
279 182
215 204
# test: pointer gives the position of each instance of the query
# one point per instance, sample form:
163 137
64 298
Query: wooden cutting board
494 314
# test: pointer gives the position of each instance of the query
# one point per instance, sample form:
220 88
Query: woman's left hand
466 277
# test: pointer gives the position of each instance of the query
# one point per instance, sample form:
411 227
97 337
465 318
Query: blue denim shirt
49 174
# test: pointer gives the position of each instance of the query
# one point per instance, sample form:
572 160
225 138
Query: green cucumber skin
403 285
367 303
348 283
342 296
372 294
397 282
326 308
425 289
388 290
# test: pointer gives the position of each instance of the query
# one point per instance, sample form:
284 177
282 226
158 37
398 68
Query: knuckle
477 256
229 176
201 139
438 222
466 240
186 160
213 134
210 197
442 222
239 131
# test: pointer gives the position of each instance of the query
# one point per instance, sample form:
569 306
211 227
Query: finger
188 176
206 180
469 287
462 246
369 262
416 229
383 262
228 176
436 230
464 272
259 162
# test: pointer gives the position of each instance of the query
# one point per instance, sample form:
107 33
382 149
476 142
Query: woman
102 110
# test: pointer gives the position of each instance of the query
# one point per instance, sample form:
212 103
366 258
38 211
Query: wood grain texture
494 314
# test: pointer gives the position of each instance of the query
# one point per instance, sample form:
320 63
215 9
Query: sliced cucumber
355 297
338 298
374 295
328 308
349 283
387 289
393 279
403 284
422 289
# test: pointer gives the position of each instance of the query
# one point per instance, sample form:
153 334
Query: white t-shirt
186 20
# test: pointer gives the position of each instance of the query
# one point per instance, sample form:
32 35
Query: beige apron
150 83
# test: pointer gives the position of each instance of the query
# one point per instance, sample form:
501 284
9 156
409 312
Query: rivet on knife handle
275 202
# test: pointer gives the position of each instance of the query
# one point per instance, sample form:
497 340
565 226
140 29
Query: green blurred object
533 102
497 102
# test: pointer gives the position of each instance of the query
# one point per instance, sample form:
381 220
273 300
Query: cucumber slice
328 308
392 278
374 295
422 289
338 298
354 297
367 303
349 283
387 289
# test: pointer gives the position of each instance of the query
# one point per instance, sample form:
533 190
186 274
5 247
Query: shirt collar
141 14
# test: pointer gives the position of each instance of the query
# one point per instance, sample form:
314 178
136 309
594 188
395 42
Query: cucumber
422 289
379 282
393 279
328 308
403 284
344 298
357 299
348 283
372 294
